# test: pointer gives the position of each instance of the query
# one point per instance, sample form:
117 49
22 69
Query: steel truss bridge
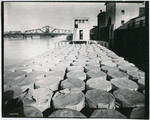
42 32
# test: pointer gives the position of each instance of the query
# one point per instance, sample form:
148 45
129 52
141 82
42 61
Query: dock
75 80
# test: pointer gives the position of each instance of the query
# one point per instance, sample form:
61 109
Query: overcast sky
28 15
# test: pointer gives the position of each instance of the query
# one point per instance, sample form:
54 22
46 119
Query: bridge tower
47 29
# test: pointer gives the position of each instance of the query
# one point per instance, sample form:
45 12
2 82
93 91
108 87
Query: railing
137 24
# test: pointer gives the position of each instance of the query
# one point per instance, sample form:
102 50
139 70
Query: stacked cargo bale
98 83
128 78
123 84
67 113
77 80
128 100
73 84
97 87
70 94
107 113
39 98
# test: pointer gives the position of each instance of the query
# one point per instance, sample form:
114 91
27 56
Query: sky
30 15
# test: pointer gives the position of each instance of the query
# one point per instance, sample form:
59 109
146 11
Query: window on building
76 21
122 21
79 21
122 12
82 21
76 25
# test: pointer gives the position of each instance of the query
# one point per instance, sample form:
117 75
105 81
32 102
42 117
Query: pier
75 80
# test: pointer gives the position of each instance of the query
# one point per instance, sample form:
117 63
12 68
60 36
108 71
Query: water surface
18 50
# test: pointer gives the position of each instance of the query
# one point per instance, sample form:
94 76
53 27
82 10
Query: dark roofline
104 12
137 17
124 2
129 21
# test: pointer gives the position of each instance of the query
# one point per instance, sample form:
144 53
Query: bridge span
46 31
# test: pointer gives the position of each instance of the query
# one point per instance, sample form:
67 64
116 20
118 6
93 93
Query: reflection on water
18 50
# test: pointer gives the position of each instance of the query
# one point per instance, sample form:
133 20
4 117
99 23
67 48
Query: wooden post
141 23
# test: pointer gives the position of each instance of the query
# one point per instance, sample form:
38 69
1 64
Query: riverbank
75 80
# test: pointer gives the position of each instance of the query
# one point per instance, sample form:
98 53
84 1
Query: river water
18 50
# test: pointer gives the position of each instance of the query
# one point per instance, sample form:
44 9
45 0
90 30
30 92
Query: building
81 29
129 41
142 11
94 33
98 32
117 14
133 23
101 20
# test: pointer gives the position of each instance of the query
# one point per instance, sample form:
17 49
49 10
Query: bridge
46 31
